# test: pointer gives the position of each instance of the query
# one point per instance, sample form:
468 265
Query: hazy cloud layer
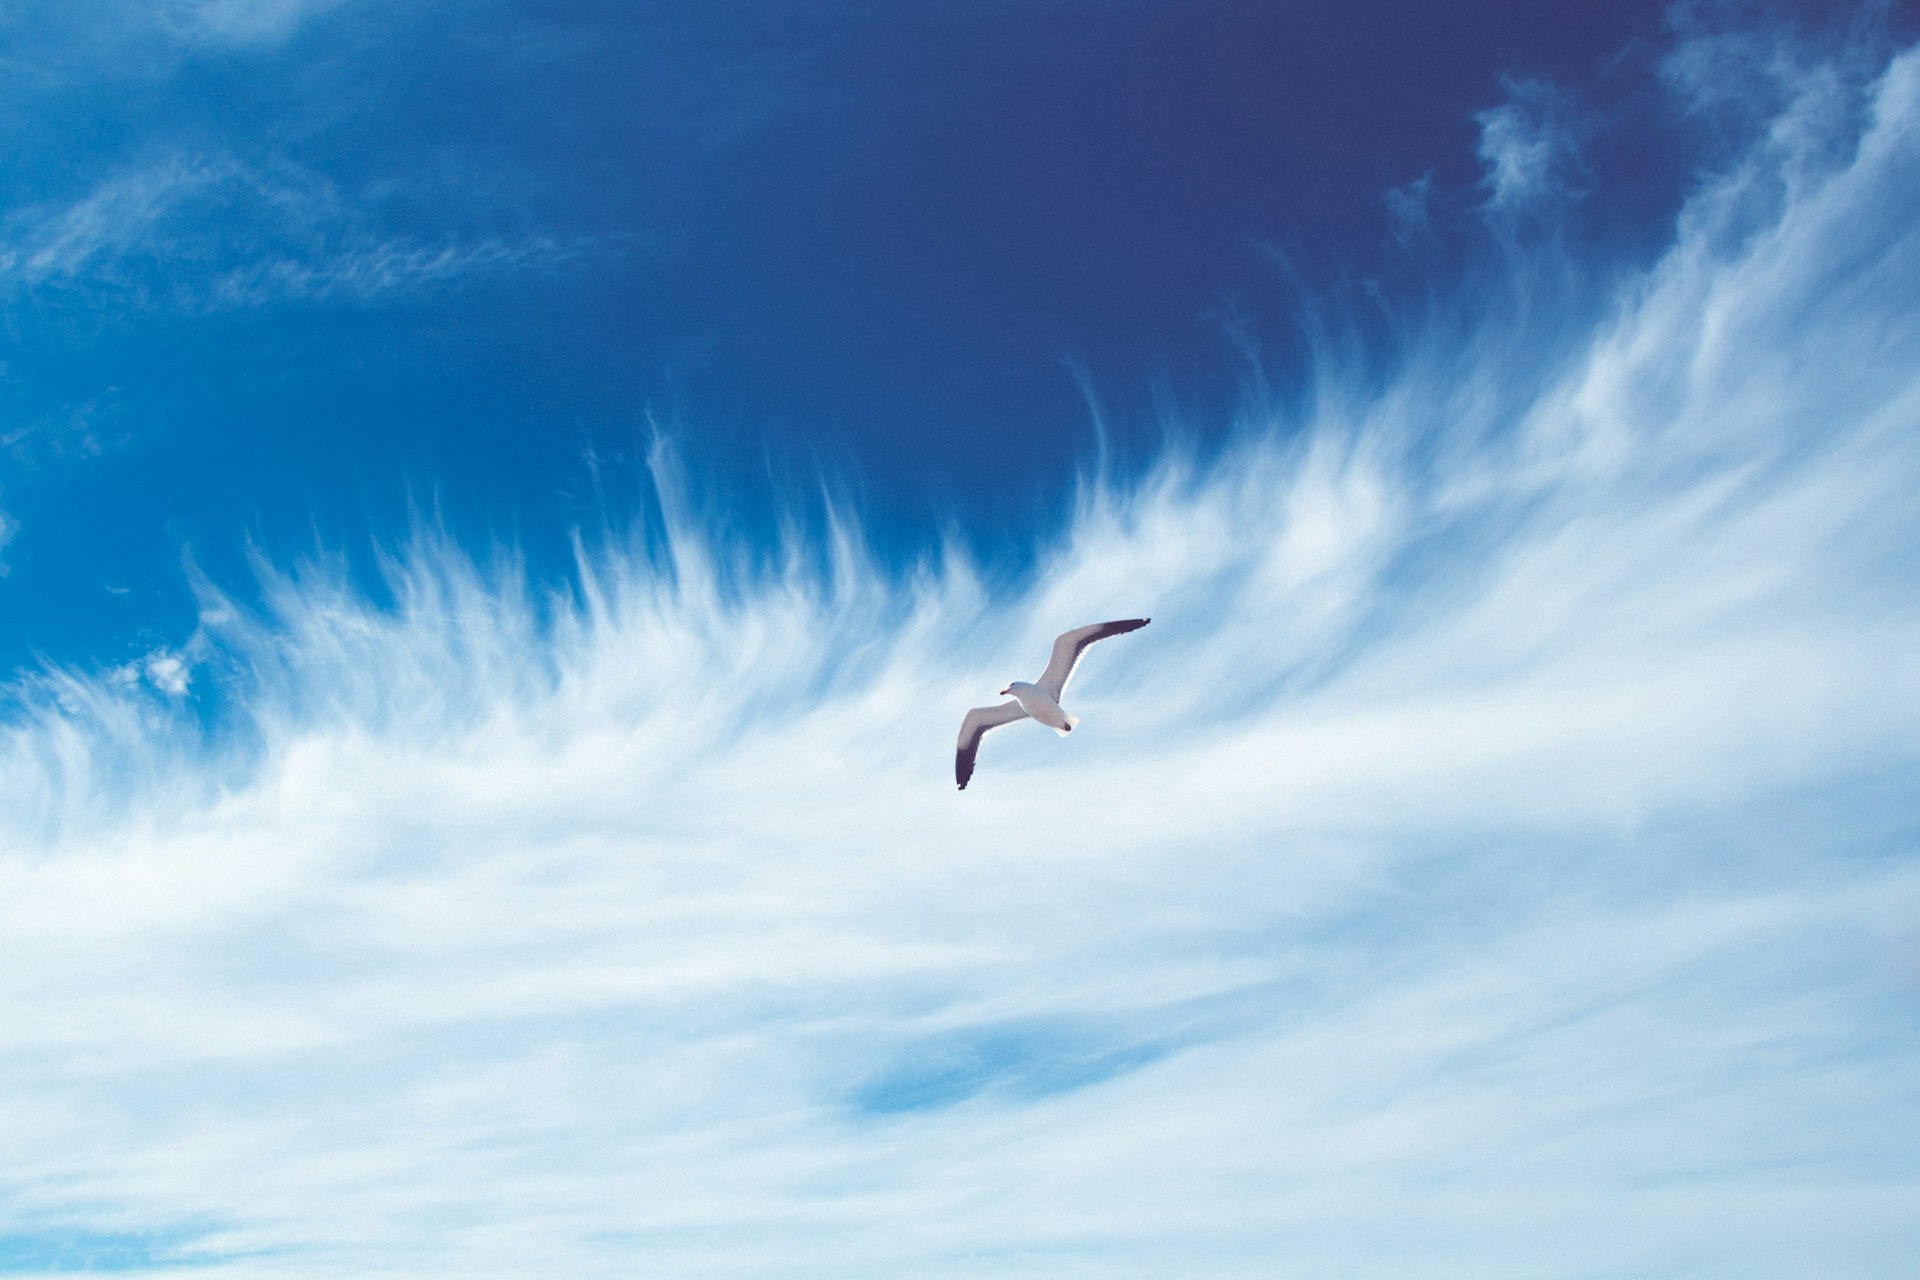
1496 859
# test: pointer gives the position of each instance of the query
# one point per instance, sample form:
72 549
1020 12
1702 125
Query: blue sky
284 265
502 508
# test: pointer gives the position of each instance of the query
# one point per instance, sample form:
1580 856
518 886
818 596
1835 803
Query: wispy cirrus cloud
375 270
241 23
1529 148
212 231
1503 832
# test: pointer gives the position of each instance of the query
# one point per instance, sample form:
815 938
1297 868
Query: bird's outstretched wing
974 728
1070 645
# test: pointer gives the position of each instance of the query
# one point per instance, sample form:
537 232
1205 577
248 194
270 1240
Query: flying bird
1041 699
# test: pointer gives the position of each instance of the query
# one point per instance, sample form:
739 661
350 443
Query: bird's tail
1073 722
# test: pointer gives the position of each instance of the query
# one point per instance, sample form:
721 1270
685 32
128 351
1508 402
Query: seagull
1041 699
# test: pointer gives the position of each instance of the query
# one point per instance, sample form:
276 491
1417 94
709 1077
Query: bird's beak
1004 692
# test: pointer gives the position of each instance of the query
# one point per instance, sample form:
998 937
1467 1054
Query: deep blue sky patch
273 276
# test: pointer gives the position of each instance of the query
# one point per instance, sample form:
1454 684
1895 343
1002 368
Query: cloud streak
1503 834
210 232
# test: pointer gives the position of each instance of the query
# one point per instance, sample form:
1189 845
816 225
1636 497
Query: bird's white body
1039 704
1039 700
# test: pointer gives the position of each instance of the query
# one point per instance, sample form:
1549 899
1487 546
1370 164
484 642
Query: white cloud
378 269
1408 213
1502 833
169 672
212 231
1529 148
121 215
